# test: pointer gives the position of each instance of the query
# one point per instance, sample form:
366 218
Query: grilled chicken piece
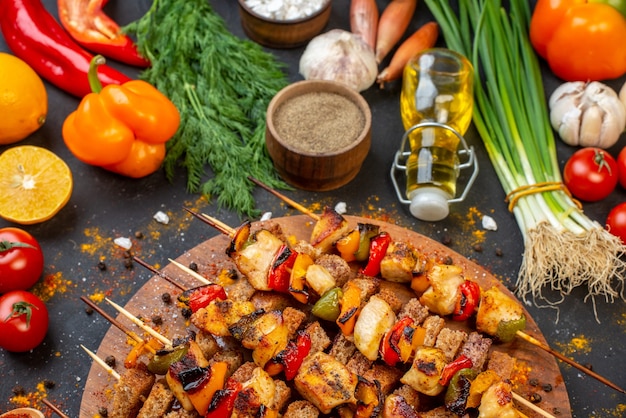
375 319
497 402
401 262
330 227
397 407
264 333
257 393
255 260
496 307
441 296
319 279
325 382
218 316
130 391
423 376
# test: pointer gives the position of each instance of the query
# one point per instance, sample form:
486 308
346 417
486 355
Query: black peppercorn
547 387
103 412
186 312
110 361
193 266
166 298
535 398
157 320
102 266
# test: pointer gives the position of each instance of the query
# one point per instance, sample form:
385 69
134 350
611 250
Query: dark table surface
104 206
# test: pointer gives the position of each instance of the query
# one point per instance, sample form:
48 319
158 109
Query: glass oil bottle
436 107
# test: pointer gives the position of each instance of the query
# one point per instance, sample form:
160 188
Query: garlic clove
590 127
342 56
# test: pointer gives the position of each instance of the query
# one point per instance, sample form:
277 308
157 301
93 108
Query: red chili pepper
461 362
467 302
223 401
200 297
292 356
90 27
280 272
34 35
389 350
378 249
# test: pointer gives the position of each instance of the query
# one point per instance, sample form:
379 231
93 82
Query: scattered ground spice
319 122
52 284
578 344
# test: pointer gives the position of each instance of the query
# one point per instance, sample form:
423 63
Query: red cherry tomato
590 174
23 321
621 167
21 260
616 221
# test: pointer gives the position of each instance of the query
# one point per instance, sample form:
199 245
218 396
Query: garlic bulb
587 114
339 55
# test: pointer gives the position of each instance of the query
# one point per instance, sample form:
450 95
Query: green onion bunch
563 248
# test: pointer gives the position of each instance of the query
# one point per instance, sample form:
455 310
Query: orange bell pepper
121 128
581 40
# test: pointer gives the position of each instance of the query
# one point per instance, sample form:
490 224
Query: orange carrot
364 20
423 38
393 22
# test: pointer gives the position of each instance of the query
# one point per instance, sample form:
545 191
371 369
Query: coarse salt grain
285 9
341 208
125 243
161 217
489 223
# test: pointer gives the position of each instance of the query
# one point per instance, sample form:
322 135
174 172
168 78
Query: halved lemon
35 184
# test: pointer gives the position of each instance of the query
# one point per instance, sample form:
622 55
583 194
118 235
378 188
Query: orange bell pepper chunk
350 308
201 398
121 128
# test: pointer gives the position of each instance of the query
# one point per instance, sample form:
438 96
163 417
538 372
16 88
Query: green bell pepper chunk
327 307
160 362
458 389
507 330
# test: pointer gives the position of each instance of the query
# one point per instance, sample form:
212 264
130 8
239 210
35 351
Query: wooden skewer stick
531 405
215 223
117 323
284 198
54 408
158 272
101 363
139 323
569 361
189 271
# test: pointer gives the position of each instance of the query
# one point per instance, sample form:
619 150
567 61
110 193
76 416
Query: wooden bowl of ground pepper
318 134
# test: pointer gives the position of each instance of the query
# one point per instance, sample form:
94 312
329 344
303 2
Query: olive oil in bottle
436 106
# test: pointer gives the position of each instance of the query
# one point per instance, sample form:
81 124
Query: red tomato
616 221
23 321
21 260
621 167
590 174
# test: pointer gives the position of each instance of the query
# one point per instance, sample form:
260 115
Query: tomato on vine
616 221
21 260
590 174
23 321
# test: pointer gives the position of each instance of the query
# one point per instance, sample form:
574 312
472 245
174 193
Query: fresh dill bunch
221 85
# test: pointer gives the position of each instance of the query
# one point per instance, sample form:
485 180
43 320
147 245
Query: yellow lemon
35 184
23 100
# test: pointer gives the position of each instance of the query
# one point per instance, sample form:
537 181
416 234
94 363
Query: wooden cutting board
537 369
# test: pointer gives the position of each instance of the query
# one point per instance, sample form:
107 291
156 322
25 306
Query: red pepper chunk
378 249
461 362
280 272
223 401
467 302
390 350
290 359
200 297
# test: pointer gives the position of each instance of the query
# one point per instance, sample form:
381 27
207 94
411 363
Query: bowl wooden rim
305 86
247 8
31 412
